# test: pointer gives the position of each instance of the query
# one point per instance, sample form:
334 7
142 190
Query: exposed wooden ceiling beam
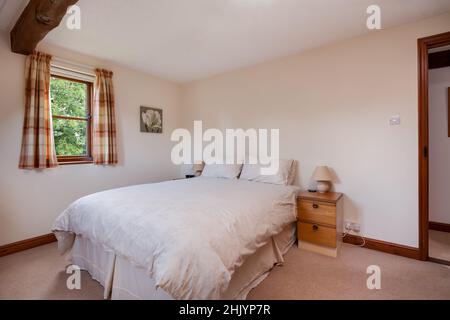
38 19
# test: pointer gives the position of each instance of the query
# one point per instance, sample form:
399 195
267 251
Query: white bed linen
189 235
284 176
123 281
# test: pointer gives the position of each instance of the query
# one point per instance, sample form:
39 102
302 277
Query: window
71 112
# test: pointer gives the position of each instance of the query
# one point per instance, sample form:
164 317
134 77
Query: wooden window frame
84 159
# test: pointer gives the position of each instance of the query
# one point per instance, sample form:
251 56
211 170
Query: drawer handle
315 206
315 227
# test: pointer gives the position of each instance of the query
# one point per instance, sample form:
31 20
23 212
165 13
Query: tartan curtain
103 116
38 147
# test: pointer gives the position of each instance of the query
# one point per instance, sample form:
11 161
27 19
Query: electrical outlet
395 120
348 226
352 226
356 227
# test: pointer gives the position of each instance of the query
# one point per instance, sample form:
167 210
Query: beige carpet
439 244
39 274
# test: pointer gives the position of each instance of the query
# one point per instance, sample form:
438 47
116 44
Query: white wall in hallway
439 82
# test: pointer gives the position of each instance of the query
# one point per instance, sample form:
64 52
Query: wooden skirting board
373 244
438 226
26 244
383 246
440 261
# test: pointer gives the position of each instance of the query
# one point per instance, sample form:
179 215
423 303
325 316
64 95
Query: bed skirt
123 281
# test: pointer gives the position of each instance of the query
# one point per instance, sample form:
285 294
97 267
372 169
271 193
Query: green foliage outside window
68 98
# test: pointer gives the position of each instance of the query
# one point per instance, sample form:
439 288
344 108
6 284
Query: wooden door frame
424 45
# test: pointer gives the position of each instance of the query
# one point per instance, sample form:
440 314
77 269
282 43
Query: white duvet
190 235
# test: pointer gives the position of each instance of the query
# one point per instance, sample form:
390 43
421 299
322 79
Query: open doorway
434 122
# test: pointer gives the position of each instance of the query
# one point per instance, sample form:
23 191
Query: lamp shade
198 167
322 173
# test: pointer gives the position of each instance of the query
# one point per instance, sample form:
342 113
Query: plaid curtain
38 147
103 117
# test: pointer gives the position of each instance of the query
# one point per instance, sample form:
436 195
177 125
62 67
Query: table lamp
323 177
198 168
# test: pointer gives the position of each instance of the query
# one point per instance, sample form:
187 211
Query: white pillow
229 171
284 176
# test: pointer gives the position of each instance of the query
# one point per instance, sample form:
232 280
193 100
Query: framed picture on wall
151 120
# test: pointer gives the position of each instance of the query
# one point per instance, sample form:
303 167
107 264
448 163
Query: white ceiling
184 40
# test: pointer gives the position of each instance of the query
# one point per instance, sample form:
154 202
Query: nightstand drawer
317 212
317 234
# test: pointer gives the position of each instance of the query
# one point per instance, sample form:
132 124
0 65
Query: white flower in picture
151 120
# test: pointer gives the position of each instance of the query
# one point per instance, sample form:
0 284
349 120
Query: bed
201 238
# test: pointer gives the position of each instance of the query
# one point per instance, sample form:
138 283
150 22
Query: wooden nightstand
319 222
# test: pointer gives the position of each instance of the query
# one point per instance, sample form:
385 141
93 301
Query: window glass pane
68 98
70 137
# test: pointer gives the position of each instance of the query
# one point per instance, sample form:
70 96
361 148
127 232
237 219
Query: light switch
394 121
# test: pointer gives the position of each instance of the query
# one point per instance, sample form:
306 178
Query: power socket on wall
352 226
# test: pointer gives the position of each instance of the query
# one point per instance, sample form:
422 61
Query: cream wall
30 200
332 105
439 81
